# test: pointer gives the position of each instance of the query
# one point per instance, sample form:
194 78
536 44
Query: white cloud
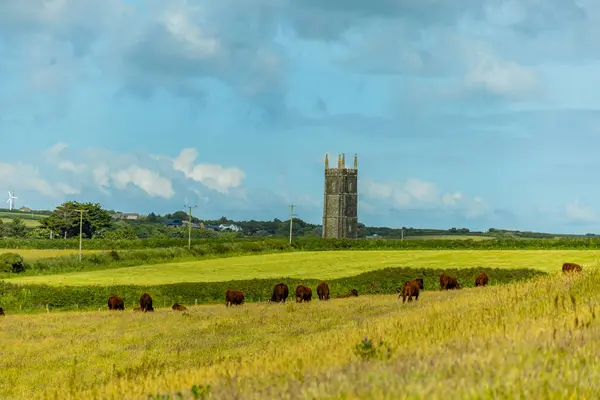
416 193
506 78
22 176
577 211
150 182
213 176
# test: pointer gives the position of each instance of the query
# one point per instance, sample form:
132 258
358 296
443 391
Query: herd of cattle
280 294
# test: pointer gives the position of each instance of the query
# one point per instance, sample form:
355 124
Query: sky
472 113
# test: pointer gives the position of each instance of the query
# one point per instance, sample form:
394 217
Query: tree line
99 223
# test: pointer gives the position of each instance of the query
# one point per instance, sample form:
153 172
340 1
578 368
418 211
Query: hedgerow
251 244
34 298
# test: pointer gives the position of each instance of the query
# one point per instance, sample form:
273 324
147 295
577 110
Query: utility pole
80 230
291 221
190 226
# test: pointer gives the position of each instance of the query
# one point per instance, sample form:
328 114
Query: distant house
212 227
129 216
25 209
373 236
174 223
230 227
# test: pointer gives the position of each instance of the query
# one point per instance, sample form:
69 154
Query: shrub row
34 298
310 243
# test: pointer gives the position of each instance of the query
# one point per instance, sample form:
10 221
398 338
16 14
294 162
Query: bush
12 262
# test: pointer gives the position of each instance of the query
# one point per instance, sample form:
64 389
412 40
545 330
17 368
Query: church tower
340 206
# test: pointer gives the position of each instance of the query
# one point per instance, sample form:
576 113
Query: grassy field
23 215
533 340
30 223
450 237
318 265
32 254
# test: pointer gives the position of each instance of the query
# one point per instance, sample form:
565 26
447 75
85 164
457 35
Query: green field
33 254
534 340
30 223
449 237
317 265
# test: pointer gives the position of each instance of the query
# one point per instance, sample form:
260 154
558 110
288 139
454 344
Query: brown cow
2 311
146 303
410 289
116 303
323 291
448 282
234 297
571 267
481 280
303 293
353 293
179 307
280 293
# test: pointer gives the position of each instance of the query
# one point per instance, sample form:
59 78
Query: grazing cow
481 280
410 289
138 309
116 303
303 293
353 293
448 282
2 311
179 307
233 297
280 293
571 267
146 302
323 291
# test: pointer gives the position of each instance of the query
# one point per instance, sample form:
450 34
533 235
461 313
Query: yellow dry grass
527 340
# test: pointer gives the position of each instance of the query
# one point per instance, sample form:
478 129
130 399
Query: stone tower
340 206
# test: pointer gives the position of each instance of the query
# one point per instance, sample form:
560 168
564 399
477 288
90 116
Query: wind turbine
11 200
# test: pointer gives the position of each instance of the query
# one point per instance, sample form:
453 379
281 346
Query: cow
2 311
115 303
280 293
179 307
303 293
233 297
481 280
146 303
410 289
448 282
353 293
571 267
323 291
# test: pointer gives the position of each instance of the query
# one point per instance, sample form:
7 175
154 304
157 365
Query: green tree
2 229
65 219
17 228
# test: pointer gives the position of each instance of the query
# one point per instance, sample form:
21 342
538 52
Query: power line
291 221
190 226
80 230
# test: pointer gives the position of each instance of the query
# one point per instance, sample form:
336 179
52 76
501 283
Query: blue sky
472 114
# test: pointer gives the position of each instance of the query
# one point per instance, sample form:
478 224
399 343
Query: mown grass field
34 254
535 340
317 265
450 237
30 223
